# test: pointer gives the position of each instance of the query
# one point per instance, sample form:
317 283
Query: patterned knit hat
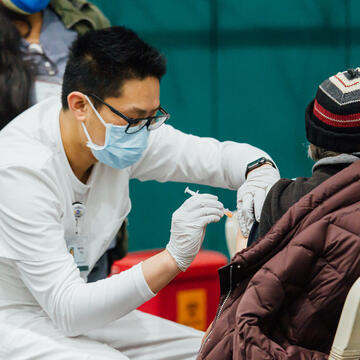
333 118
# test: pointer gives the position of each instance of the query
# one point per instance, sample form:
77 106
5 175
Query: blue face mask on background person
26 6
120 150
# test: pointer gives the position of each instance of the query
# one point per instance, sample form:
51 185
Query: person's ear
78 105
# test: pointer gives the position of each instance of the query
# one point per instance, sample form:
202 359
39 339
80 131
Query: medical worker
65 169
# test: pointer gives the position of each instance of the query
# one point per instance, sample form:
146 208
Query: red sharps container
192 297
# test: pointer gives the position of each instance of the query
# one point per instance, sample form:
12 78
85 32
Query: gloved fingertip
220 205
244 231
238 216
208 196
217 218
242 225
219 213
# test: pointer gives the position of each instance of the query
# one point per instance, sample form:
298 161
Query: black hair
15 74
101 60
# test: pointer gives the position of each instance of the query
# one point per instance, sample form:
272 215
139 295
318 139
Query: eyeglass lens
156 122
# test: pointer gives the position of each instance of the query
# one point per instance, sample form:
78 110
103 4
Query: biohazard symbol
191 306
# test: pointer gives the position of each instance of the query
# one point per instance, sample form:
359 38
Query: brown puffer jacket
282 297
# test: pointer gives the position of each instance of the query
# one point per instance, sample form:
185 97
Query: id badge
77 248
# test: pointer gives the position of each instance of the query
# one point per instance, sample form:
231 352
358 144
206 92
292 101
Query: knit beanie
333 118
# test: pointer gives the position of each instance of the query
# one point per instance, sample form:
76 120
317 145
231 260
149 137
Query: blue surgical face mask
120 150
26 6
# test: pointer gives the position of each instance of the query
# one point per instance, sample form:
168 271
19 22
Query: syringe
227 212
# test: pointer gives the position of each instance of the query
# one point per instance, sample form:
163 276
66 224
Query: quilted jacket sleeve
281 278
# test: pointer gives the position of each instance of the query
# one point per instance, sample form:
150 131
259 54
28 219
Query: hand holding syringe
227 212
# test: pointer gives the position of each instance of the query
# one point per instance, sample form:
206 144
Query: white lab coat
44 299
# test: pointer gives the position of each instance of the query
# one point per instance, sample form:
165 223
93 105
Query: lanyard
79 212
77 245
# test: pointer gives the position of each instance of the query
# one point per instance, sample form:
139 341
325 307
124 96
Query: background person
35 40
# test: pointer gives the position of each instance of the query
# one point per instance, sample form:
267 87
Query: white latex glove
188 227
251 195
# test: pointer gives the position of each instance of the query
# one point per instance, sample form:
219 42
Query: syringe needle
228 213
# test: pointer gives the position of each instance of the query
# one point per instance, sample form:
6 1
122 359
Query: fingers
246 213
245 224
211 204
259 198
205 205
207 211
204 196
202 201
247 208
202 217
188 227
205 220
199 210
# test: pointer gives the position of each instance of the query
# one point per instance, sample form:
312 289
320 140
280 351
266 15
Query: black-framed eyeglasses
135 125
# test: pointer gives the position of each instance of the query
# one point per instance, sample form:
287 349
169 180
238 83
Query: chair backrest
347 338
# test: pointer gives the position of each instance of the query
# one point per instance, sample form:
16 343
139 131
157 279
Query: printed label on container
191 308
